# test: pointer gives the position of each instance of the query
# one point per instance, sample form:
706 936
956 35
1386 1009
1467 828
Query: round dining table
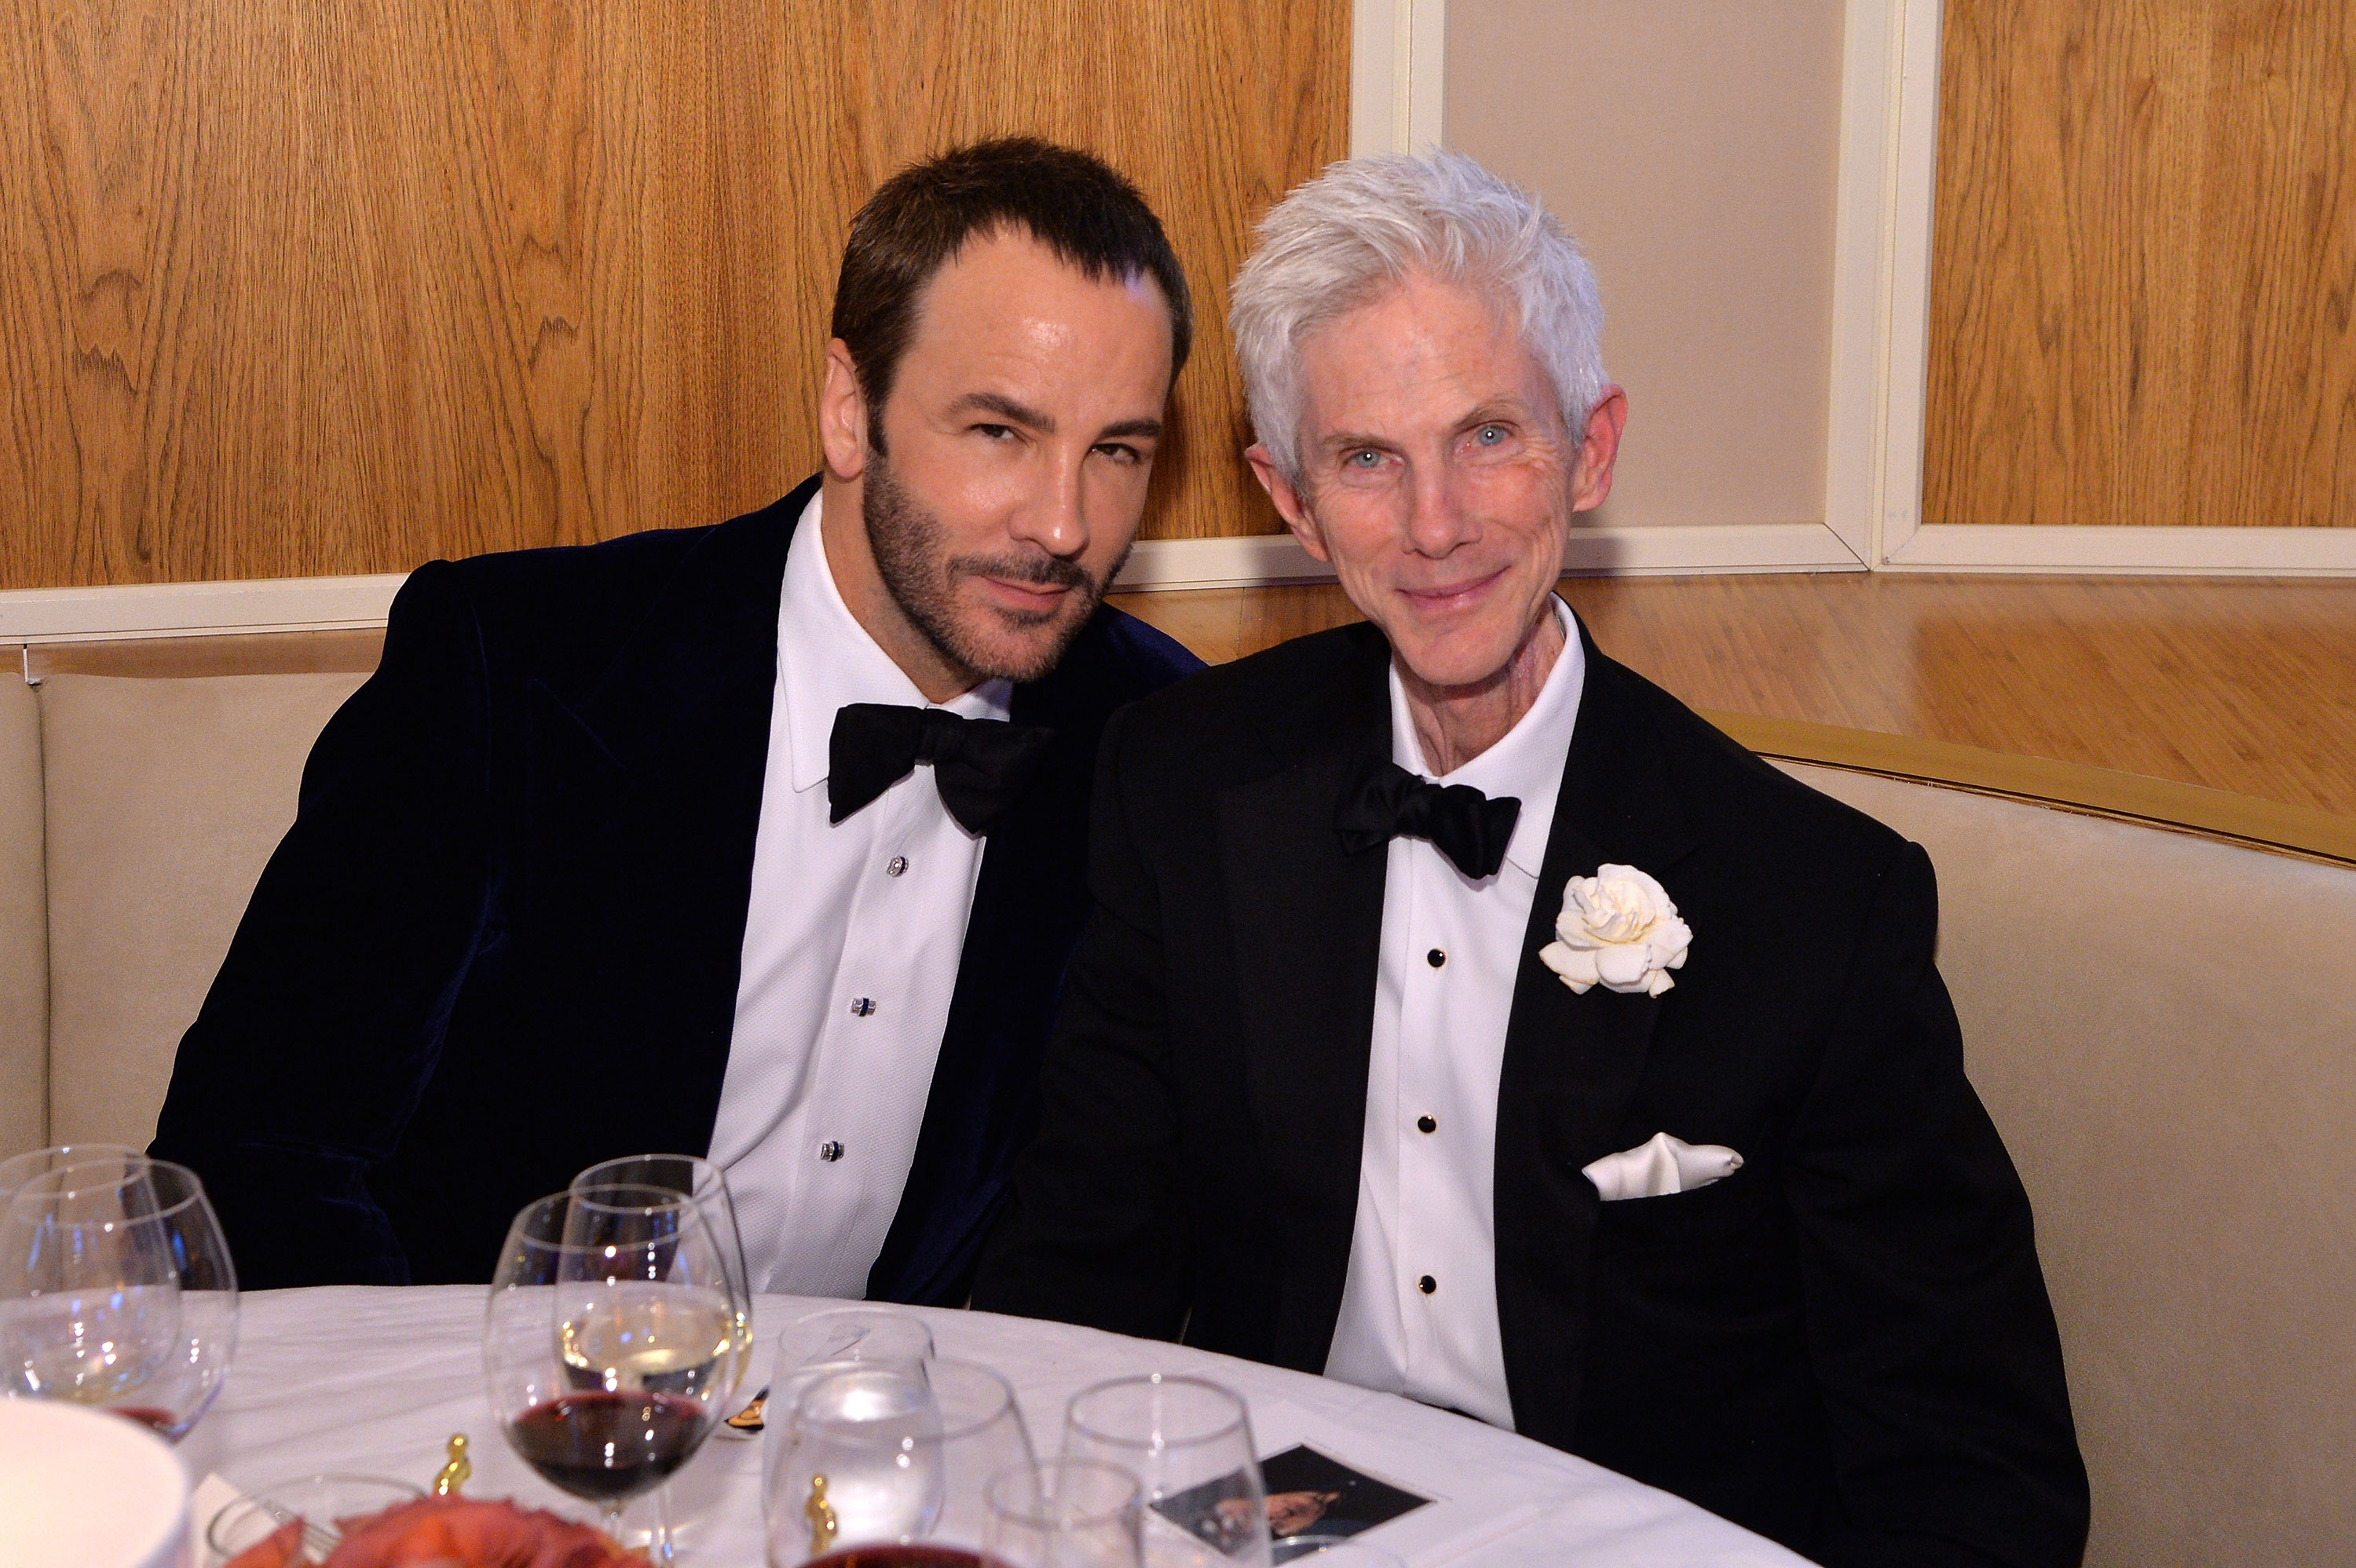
375 1380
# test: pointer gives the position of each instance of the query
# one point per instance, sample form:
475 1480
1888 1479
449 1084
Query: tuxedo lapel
1308 932
642 798
1573 1062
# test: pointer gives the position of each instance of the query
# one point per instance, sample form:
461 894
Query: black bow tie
1384 801
980 766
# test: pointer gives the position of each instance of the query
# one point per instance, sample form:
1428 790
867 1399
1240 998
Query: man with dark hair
764 839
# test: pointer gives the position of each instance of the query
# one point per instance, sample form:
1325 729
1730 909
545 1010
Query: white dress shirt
1452 948
851 957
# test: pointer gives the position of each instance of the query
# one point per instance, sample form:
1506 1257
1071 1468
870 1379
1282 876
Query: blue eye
1366 459
1491 435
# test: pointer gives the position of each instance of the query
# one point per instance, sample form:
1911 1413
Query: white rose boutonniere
1617 927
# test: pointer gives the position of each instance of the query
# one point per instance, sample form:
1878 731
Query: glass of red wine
116 1289
886 1465
610 1342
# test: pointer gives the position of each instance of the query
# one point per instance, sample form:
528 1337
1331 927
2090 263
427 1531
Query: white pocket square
1660 1166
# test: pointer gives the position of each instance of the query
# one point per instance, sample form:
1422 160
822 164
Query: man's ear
1592 481
1289 504
842 414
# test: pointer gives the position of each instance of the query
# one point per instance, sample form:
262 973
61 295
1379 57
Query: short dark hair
1079 207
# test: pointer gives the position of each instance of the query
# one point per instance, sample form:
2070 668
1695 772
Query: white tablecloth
375 1380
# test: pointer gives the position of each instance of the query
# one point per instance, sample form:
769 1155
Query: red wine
157 1421
914 1555
600 1445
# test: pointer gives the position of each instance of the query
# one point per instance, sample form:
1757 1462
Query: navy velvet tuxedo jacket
1845 1346
501 941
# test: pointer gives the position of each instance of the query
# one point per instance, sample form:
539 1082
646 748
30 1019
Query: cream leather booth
2163 1026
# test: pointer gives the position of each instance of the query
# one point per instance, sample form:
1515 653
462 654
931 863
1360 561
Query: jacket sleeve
1094 1234
1928 1324
326 1021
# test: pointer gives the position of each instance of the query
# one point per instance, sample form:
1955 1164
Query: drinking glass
18 1169
1334 1551
707 1185
837 1339
321 1502
116 1289
609 1342
886 1462
854 1334
1063 1513
1188 1441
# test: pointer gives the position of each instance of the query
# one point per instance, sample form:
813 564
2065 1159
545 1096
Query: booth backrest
2164 1028
163 799
23 927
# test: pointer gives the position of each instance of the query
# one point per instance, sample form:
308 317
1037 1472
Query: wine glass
854 1334
18 1169
1063 1513
1188 1441
707 1185
116 1289
888 1461
1334 1551
609 1342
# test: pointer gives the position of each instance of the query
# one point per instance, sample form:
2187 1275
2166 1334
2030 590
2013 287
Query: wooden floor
2238 685
2235 684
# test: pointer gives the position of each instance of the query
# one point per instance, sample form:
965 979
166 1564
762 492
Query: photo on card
1308 1494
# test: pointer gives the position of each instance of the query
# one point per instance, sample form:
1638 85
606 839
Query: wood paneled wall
299 287
2144 264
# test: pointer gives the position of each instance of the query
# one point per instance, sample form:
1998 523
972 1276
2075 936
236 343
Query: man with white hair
1595 1076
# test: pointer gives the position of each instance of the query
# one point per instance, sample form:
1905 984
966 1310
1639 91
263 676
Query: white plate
83 1486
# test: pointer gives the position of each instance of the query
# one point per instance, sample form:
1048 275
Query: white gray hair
1361 228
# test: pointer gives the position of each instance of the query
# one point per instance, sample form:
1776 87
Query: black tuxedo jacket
501 941
1846 1346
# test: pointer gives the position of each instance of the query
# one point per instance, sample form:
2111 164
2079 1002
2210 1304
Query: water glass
1063 1513
116 1289
883 1453
1188 1441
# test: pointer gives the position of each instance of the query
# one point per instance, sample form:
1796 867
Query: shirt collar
1527 762
826 660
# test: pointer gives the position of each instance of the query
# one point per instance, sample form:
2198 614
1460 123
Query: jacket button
830 1151
1426 1284
1426 1124
1435 958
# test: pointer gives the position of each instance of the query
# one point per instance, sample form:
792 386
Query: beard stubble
906 543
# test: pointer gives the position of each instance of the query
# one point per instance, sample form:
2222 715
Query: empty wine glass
116 1289
890 1454
854 1334
707 1185
1334 1551
1188 1441
1063 1513
609 1342
18 1169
